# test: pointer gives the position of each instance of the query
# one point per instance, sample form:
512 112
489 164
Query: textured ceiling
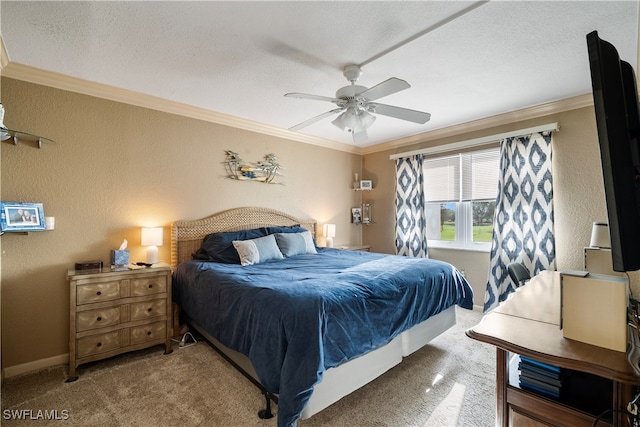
464 60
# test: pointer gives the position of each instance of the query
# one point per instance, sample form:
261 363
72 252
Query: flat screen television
615 98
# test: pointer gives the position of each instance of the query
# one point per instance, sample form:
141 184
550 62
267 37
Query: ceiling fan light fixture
344 119
356 107
354 120
366 118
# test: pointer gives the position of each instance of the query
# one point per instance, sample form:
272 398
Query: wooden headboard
187 236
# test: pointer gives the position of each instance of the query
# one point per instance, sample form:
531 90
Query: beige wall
114 168
578 195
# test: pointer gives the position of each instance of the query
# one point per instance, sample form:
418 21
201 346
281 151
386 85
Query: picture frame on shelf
21 217
366 184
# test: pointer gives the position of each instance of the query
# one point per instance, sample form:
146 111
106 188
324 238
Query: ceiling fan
356 103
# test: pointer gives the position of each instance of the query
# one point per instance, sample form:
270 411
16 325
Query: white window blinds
442 179
462 177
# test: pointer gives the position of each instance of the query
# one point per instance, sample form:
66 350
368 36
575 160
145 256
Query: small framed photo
21 217
365 184
356 215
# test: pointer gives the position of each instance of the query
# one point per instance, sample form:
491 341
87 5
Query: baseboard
36 365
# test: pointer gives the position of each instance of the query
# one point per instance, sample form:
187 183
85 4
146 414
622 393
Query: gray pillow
256 251
291 244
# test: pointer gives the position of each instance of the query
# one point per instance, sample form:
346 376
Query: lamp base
329 242
152 255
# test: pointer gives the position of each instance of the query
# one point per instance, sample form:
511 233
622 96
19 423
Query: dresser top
528 323
108 271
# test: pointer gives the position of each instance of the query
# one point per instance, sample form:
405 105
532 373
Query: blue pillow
257 251
219 247
291 244
285 229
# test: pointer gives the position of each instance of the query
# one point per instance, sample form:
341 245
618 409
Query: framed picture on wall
21 217
356 215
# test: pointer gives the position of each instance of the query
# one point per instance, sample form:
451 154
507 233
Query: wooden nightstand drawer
149 332
148 286
106 291
147 309
94 319
98 344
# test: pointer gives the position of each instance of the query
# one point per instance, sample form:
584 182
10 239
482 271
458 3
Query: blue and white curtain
411 230
523 229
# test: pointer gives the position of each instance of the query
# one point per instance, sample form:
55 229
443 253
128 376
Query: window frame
463 212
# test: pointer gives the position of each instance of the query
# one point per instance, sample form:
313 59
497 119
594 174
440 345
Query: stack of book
541 377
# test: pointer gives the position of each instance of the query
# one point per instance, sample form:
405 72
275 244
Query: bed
310 327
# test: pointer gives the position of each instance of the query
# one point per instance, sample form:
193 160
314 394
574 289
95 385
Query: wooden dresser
114 312
528 324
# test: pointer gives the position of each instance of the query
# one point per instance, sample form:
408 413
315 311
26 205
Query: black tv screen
615 98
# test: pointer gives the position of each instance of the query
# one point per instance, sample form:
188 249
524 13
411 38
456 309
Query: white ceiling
464 60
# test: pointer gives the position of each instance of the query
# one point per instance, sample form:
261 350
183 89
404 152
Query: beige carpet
450 382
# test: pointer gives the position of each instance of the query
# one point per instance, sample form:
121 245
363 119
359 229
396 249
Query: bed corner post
265 413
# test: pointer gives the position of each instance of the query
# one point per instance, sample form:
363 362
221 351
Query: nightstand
365 248
114 312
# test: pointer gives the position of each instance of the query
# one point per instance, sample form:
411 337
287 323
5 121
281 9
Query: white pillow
256 251
291 244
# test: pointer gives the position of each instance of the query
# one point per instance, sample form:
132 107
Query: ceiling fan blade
385 88
315 119
359 137
314 97
401 113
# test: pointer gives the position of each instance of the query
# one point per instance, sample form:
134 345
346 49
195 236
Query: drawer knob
149 309
99 293
99 318
99 344
149 333
150 285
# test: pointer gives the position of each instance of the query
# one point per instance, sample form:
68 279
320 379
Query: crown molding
64 82
30 74
554 107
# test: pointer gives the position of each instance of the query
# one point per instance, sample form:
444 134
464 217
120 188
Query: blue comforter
297 317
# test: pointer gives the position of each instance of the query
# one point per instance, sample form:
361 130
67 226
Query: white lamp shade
151 237
329 230
329 233
600 235
354 120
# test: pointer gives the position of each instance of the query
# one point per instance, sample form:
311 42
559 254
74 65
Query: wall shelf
361 185
14 136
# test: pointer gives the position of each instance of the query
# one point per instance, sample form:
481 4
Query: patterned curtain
523 224
411 230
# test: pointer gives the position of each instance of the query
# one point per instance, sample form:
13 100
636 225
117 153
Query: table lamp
152 237
329 234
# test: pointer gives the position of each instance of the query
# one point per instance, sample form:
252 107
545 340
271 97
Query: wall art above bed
262 171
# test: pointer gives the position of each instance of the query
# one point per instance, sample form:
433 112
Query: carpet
449 382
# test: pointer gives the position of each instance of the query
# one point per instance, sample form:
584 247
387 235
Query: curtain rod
550 127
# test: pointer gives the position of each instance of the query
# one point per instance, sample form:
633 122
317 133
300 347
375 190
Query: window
460 199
